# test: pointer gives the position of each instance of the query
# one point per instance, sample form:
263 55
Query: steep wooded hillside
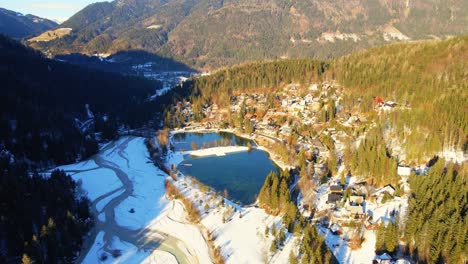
208 34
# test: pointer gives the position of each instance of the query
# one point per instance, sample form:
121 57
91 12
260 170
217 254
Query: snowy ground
173 220
84 165
133 217
218 151
97 182
242 239
338 244
148 187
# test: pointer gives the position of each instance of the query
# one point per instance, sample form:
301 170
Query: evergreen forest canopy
256 77
42 99
43 218
427 78
437 223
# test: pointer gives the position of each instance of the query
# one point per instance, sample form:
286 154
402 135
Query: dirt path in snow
144 239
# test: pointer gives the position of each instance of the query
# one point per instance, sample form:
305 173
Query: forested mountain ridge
208 34
427 78
393 123
17 25
43 100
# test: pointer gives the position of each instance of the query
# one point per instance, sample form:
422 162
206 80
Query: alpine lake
241 174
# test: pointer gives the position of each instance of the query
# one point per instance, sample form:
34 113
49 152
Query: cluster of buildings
296 111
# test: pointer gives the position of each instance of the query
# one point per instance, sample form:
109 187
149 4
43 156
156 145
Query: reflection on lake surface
193 140
242 174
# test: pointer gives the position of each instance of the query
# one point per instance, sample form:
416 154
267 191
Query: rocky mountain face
17 25
207 34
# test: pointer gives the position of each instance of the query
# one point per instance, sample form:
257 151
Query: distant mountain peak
18 25
211 33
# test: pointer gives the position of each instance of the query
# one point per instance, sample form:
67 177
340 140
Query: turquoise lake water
242 174
184 141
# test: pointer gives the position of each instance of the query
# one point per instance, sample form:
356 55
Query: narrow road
144 239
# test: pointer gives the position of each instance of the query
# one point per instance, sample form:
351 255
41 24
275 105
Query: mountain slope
43 102
17 25
428 79
213 33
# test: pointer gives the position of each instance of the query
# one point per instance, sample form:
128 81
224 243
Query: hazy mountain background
213 33
17 25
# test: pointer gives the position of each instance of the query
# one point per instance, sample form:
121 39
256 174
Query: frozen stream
127 195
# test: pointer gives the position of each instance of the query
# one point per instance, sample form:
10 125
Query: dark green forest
427 79
42 98
43 218
437 222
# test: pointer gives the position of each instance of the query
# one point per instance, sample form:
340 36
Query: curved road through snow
144 239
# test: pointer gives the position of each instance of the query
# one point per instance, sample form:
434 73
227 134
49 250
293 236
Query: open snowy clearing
242 239
173 221
127 192
97 182
80 166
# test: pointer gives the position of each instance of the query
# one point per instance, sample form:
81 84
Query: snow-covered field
135 222
173 221
84 165
97 182
148 187
242 238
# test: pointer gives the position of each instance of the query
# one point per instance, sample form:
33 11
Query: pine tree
380 238
281 237
273 246
292 258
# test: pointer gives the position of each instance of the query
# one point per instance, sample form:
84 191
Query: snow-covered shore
238 231
217 151
135 222
272 156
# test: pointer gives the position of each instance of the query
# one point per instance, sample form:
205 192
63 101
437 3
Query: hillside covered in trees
428 79
211 34
436 226
409 101
53 113
42 219
43 101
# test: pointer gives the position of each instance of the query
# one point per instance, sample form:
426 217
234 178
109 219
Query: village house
383 259
390 104
336 189
335 229
354 205
386 189
334 197
404 171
